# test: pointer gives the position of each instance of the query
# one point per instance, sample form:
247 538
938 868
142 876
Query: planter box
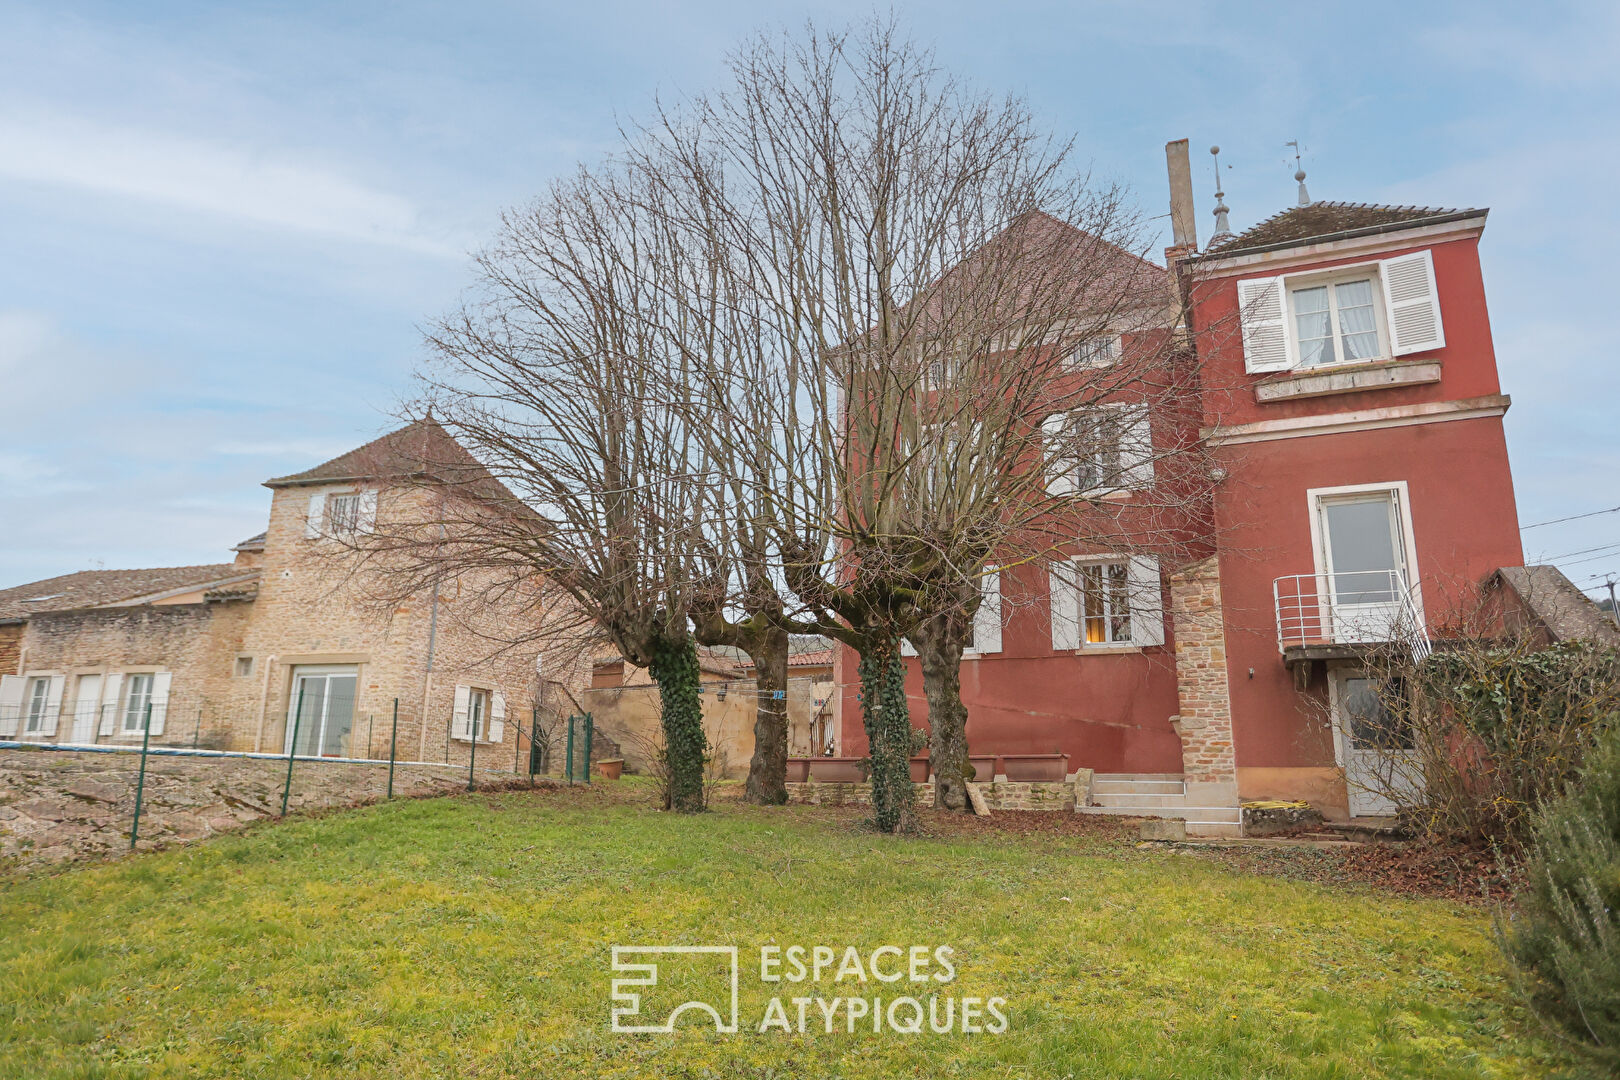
919 769
984 767
836 770
610 768
1049 768
798 769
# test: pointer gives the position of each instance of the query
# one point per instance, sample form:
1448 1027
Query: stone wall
1002 795
1205 719
60 805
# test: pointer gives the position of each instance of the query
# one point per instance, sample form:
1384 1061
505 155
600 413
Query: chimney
1182 222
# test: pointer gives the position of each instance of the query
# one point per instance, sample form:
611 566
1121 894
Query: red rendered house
1351 404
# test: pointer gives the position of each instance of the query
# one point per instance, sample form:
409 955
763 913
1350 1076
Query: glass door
1364 555
321 710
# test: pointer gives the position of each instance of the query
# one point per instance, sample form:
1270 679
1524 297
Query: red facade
1362 470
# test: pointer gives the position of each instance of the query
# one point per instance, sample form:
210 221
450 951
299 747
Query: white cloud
212 177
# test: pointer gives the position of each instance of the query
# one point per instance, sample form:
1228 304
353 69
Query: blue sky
223 225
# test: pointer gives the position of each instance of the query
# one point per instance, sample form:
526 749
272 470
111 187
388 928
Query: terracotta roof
252 543
95 588
812 658
1323 220
420 450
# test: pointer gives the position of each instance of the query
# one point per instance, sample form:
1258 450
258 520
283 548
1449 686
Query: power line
1583 551
1572 517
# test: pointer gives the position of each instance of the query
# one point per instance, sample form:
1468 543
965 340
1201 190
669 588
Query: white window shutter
109 702
1147 600
987 620
11 695
1063 595
317 511
1136 448
497 717
160 699
460 724
907 648
368 511
53 704
1059 463
1413 303
1263 312
86 705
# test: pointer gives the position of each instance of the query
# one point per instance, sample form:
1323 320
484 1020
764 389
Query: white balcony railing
1356 607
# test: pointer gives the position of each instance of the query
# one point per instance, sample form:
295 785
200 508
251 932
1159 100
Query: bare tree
923 280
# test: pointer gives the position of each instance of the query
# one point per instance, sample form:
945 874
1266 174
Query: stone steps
1160 795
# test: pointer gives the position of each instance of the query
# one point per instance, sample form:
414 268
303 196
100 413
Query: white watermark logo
888 988
628 1002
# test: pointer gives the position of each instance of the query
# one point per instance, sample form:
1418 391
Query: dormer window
343 513
1336 322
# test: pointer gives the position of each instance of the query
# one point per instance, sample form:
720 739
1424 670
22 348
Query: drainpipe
427 685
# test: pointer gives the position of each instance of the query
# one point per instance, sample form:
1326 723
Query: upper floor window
137 696
1350 315
1100 351
340 513
1099 449
1106 601
1336 322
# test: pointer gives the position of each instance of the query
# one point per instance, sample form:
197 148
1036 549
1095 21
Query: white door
1381 767
1364 556
321 711
86 708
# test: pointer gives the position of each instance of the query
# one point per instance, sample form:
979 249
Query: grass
471 937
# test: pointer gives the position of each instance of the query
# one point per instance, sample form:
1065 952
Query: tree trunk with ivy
940 642
674 668
888 734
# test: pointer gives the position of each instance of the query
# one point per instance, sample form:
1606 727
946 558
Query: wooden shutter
367 518
110 690
987 620
1263 311
1059 462
1412 303
497 717
1136 447
53 704
160 699
317 510
1147 600
460 723
11 695
1063 595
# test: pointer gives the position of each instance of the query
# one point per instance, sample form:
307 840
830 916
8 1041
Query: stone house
287 638
624 703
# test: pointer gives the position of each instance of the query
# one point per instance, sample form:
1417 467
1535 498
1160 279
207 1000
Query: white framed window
1338 320
1096 352
137 696
479 715
243 667
1106 601
1352 314
340 513
1099 449
36 705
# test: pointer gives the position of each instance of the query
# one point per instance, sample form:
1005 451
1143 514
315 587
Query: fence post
140 781
517 748
534 749
292 748
590 730
569 767
371 729
472 746
393 743
197 731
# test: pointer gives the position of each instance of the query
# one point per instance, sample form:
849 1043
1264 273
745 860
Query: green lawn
471 937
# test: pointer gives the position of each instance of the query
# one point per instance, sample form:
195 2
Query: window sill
1102 650
1347 379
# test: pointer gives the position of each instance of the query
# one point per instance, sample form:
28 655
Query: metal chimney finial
1223 228
1299 174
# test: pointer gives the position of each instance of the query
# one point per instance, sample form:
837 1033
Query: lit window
137 696
1336 322
1105 599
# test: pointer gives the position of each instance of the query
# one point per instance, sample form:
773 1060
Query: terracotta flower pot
610 768
798 770
984 767
836 770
